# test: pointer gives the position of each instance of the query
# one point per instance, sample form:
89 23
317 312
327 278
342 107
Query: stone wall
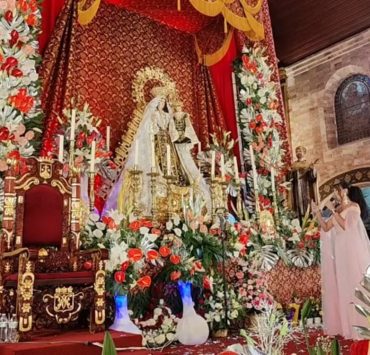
311 87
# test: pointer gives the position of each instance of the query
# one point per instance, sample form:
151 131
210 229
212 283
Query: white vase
191 329
317 320
122 321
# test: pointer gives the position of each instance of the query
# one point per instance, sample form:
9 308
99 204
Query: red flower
316 236
252 125
144 282
156 231
248 101
120 277
135 254
109 221
245 60
175 259
244 238
21 101
198 265
207 283
152 255
4 133
146 223
14 154
175 275
135 226
164 251
32 20
17 73
259 118
8 16
125 265
215 231
301 245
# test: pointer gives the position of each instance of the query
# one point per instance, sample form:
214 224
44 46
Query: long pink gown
345 256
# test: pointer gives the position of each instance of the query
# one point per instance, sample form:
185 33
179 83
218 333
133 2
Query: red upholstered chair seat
43 216
65 278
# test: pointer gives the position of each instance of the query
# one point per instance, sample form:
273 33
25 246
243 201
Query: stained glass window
352 109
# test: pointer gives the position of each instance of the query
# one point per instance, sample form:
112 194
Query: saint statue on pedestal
304 179
163 144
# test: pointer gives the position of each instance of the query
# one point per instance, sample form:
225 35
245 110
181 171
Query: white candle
153 152
61 148
273 188
199 147
236 171
73 125
136 154
213 164
222 167
191 198
168 160
108 138
92 157
254 170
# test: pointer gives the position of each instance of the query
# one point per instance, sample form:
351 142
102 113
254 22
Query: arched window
352 109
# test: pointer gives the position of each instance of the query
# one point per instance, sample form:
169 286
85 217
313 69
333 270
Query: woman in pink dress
345 256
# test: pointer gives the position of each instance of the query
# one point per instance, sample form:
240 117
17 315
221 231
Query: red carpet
79 343
69 343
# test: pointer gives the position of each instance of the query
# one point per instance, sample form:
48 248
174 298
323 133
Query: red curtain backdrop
50 10
222 80
99 61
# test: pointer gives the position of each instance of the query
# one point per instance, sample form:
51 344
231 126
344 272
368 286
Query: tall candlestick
92 157
153 153
213 165
73 125
236 171
136 154
222 167
273 188
61 148
108 138
168 160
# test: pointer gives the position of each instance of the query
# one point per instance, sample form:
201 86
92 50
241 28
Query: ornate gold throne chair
45 278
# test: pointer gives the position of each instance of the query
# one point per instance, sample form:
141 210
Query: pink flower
3 165
28 50
29 135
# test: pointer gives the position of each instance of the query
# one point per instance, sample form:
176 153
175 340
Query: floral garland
259 119
261 126
20 115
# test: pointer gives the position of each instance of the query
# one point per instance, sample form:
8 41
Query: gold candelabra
153 189
136 183
170 179
219 196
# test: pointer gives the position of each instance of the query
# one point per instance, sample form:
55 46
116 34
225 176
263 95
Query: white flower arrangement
160 330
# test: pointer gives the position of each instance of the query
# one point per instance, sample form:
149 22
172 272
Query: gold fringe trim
211 59
87 15
249 24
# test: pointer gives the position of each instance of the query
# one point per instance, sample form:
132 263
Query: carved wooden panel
356 176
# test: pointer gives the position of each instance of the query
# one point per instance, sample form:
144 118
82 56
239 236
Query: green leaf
335 347
108 346
306 310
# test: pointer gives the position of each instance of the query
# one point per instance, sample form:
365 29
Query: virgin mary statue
160 131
